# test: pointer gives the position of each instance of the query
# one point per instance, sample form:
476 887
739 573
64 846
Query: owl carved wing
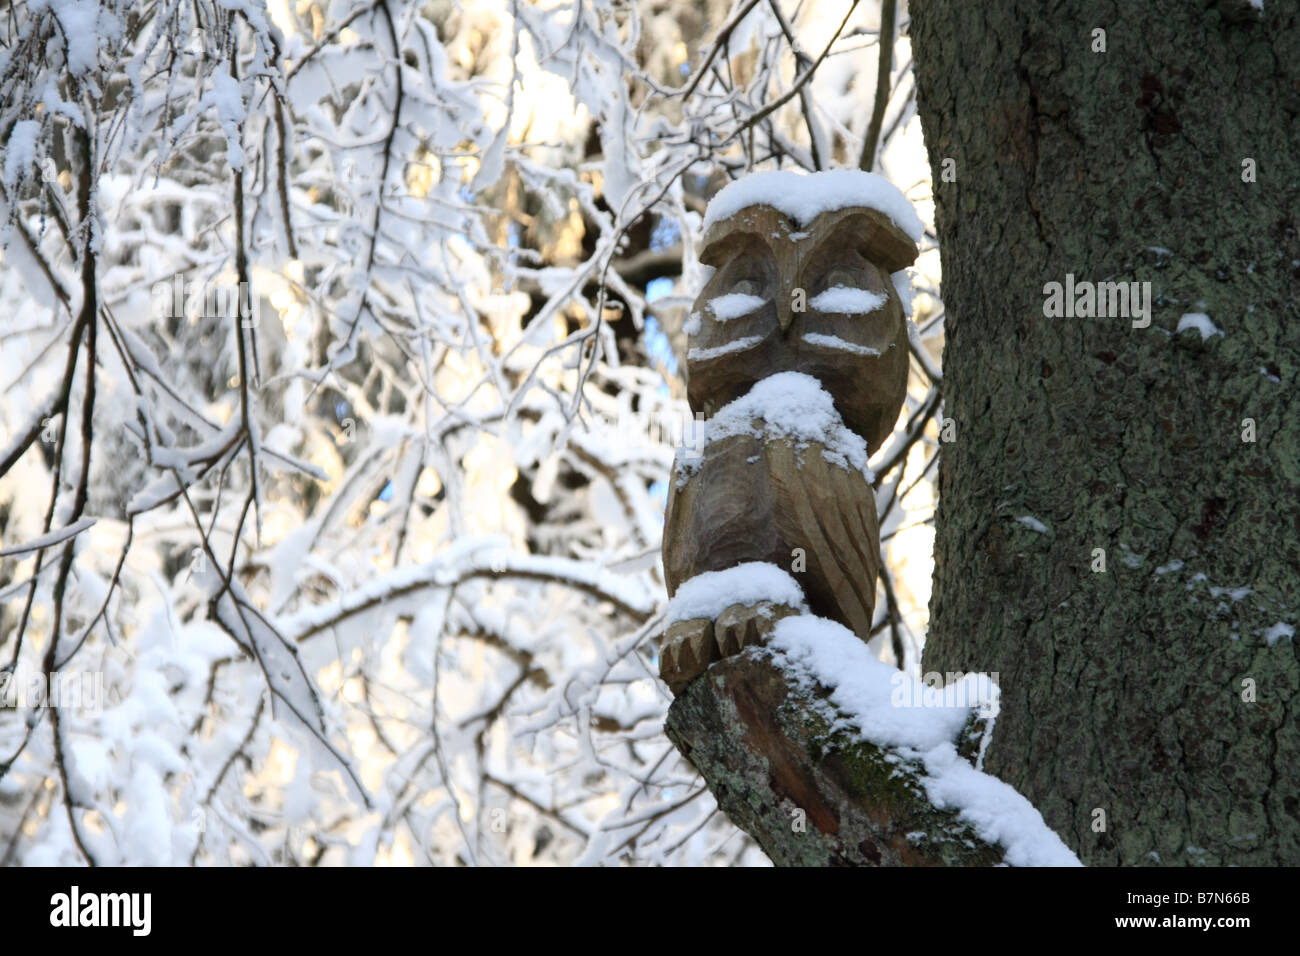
773 500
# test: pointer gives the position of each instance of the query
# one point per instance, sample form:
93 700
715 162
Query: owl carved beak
784 310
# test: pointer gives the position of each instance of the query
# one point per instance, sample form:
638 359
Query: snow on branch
826 755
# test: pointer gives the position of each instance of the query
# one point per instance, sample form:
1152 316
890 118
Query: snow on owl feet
719 613
691 646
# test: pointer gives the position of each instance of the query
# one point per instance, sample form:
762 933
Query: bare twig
885 63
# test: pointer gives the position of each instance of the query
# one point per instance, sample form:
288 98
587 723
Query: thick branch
809 795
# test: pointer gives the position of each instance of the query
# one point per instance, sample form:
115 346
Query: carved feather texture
755 499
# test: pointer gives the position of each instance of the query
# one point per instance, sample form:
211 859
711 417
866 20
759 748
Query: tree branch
811 795
885 62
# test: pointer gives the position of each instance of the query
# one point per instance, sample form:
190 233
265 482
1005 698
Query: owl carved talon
691 646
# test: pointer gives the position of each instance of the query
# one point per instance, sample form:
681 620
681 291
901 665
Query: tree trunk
1148 710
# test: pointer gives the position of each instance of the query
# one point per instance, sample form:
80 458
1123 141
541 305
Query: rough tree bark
1126 691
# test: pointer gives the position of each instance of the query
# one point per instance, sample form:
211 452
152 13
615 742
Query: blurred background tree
341 381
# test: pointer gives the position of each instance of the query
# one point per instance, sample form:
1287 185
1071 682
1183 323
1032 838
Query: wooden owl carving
798 360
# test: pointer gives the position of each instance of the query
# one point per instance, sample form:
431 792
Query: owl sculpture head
803 281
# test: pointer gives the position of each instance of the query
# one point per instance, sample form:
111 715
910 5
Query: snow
788 405
466 558
294 701
863 690
843 300
735 304
835 342
82 22
864 686
1200 322
229 104
20 152
902 280
735 345
48 540
218 715
1278 631
711 593
1237 594
804 197
148 830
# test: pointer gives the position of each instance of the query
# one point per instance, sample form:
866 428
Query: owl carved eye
840 276
744 294
847 289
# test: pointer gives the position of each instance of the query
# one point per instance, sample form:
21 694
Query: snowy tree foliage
338 347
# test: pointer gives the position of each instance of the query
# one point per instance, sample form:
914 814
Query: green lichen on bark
781 766
1123 691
